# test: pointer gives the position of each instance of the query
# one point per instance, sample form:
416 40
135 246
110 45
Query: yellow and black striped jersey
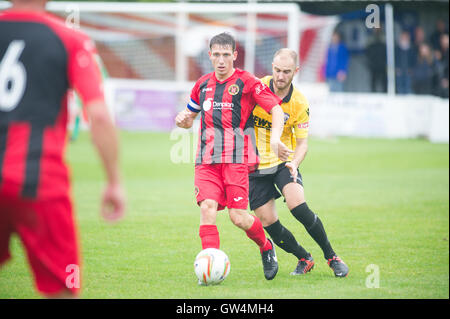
296 124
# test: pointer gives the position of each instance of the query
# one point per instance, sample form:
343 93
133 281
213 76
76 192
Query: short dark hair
223 39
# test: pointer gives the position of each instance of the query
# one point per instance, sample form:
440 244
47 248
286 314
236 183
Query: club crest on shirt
233 89
286 117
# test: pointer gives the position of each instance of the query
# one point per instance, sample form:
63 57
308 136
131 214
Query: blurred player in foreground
273 173
226 150
40 60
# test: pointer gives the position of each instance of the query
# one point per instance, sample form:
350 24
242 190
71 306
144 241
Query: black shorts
267 184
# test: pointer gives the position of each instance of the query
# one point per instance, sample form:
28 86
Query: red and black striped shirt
40 60
226 130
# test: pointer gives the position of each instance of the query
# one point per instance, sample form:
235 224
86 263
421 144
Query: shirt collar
287 98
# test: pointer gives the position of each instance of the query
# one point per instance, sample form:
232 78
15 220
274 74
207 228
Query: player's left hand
293 170
113 203
281 150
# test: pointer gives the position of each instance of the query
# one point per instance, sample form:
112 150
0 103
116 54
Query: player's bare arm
104 137
299 155
185 118
281 150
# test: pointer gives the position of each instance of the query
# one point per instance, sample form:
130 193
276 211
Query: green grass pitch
384 204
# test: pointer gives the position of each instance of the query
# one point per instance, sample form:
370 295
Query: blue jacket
337 60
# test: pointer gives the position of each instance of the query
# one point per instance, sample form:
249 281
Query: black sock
284 239
314 227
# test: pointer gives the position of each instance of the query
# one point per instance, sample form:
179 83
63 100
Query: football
211 266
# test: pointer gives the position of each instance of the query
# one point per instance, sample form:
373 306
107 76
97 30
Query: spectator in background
376 59
419 39
404 63
435 38
441 67
336 64
443 47
424 71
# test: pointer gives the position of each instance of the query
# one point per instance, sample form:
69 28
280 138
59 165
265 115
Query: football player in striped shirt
226 152
274 175
40 60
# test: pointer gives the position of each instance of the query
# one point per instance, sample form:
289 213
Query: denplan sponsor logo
209 103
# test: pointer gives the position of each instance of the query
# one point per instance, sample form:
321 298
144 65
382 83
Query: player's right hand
184 119
293 170
113 203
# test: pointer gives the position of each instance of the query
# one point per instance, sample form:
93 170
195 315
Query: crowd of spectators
421 62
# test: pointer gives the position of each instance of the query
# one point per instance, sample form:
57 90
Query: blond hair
285 51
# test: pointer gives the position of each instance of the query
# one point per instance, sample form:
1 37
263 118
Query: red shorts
227 184
47 232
